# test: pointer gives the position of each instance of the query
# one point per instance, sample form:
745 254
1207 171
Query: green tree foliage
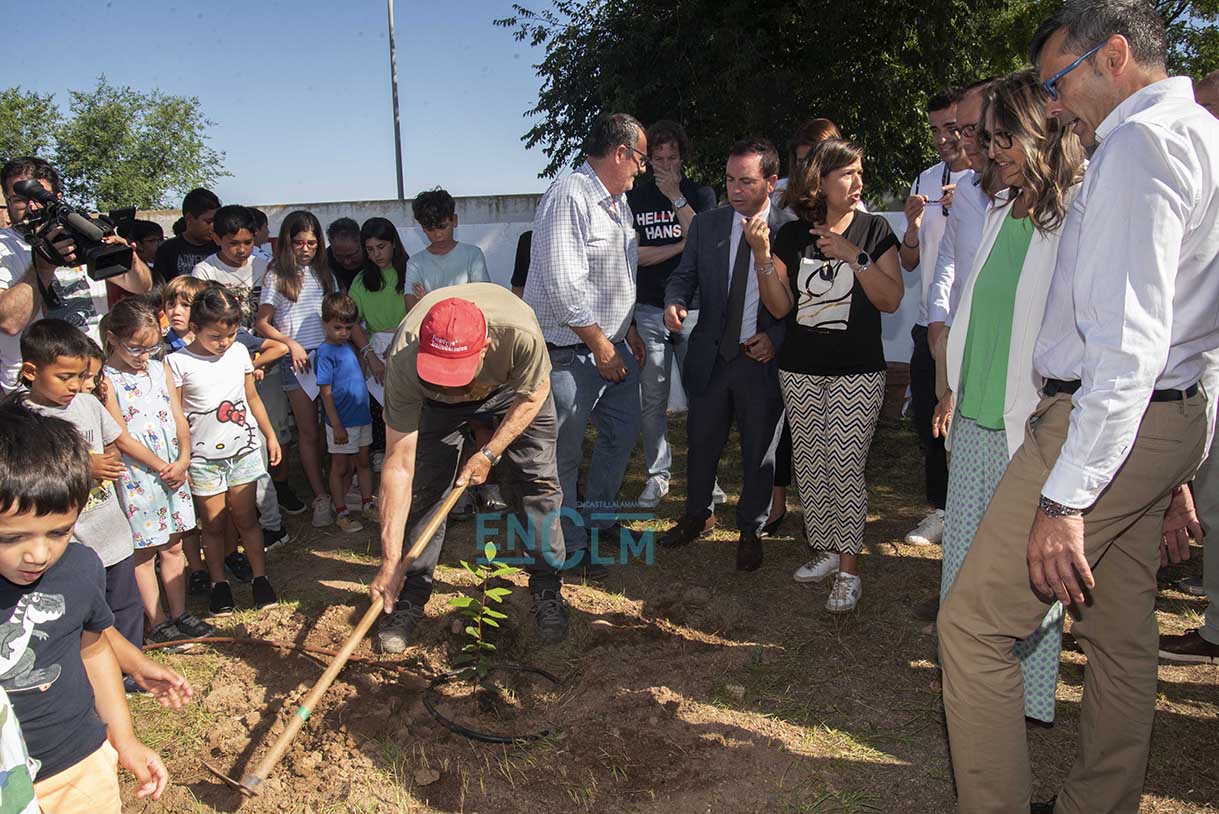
118 147
28 122
731 68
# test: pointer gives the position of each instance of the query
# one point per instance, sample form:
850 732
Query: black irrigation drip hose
474 734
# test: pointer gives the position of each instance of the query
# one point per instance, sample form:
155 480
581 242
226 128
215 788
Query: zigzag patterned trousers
833 419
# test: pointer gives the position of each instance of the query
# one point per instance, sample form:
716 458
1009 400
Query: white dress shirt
15 261
583 261
1134 304
749 317
961 238
930 182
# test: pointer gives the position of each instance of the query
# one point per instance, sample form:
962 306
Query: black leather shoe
687 530
773 526
614 536
748 552
1043 808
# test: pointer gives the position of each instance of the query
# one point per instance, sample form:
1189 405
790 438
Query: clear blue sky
299 92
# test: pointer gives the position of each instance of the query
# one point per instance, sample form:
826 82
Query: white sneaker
818 568
323 515
928 532
845 594
717 494
655 489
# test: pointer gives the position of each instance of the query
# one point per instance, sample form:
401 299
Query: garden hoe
251 782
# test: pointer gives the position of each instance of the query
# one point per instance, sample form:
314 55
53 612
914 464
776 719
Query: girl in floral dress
158 504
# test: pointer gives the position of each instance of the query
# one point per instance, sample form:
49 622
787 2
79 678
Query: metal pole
393 76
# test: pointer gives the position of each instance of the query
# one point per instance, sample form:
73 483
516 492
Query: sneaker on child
347 523
238 567
274 538
168 632
199 584
289 503
193 626
264 594
323 515
929 532
221 601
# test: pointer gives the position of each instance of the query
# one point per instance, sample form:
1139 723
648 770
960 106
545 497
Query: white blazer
1023 389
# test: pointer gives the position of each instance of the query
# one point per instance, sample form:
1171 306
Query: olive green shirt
516 358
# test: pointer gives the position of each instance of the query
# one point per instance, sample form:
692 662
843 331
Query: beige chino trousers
992 604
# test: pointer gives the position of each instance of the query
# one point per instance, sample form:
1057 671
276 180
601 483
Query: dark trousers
922 404
378 426
123 598
783 456
529 481
748 392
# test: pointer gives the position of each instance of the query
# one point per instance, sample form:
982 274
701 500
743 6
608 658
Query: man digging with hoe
465 351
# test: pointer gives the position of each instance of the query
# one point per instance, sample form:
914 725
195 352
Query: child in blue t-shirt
344 394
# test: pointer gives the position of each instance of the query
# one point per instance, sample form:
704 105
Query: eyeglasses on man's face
1051 84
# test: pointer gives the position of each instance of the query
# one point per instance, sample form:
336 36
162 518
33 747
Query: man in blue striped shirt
582 286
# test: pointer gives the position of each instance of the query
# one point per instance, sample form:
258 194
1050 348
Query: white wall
495 222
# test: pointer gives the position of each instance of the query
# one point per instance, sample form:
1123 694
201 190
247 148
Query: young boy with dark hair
345 401
147 237
62 670
234 264
236 267
262 235
445 262
178 255
56 358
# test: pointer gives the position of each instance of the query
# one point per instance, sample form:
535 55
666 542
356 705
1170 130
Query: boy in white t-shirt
235 265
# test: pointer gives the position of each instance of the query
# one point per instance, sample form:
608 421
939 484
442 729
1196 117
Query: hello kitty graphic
226 432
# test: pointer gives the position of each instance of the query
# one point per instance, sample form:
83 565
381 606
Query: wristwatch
1052 508
679 202
863 261
494 459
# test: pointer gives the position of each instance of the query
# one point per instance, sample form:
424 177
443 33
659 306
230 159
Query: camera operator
33 287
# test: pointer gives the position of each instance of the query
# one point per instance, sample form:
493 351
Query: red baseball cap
451 340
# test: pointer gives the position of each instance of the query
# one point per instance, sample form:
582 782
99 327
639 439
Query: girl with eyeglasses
290 311
153 492
993 388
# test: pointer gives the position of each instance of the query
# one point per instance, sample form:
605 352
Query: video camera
101 260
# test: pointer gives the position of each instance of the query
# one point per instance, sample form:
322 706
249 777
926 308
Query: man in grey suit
731 370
